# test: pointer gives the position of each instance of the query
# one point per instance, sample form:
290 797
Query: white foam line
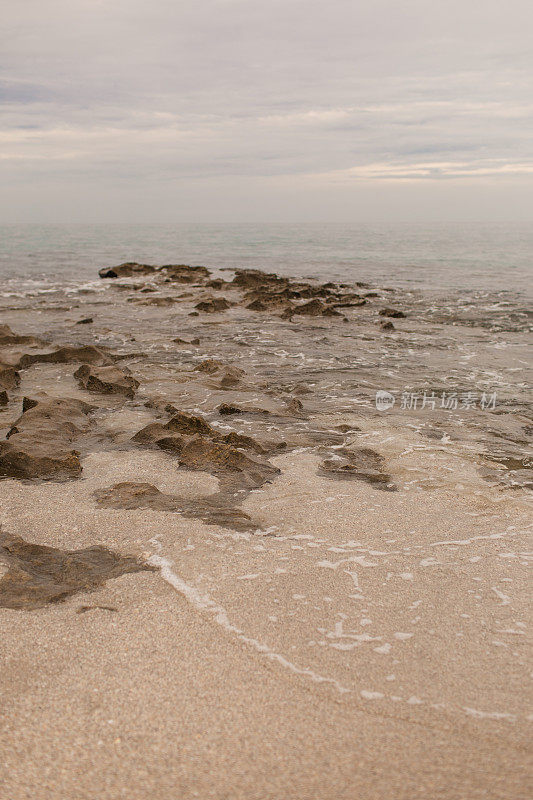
202 602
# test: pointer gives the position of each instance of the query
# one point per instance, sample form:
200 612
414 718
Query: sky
266 110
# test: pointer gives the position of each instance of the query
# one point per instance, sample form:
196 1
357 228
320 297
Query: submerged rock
361 464
38 576
214 510
107 380
86 354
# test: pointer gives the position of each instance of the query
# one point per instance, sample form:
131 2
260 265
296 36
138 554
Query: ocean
442 257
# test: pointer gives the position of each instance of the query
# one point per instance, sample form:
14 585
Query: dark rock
213 305
38 575
85 321
387 326
130 269
391 312
4 399
107 380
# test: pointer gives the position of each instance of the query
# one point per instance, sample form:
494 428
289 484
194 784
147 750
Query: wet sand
346 617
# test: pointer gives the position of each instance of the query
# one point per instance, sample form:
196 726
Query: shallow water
460 257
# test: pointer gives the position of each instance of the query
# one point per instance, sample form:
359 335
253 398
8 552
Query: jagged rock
130 269
38 575
391 312
387 326
213 305
107 380
87 354
360 464
39 444
189 424
214 510
200 446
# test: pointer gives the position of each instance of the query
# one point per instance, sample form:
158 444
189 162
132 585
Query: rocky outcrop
107 380
130 269
199 446
41 442
38 576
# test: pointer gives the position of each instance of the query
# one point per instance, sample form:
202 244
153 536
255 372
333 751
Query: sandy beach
226 573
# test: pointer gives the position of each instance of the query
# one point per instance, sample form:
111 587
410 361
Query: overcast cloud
148 110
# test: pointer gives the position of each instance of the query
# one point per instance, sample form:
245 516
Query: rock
387 326
7 337
9 377
107 380
391 312
219 458
182 273
4 399
200 446
209 366
38 576
189 424
230 377
294 406
85 321
213 510
361 464
227 409
130 269
87 354
213 305
39 444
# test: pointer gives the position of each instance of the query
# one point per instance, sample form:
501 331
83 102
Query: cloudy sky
266 110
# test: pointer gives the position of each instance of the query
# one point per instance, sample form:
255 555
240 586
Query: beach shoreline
299 593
